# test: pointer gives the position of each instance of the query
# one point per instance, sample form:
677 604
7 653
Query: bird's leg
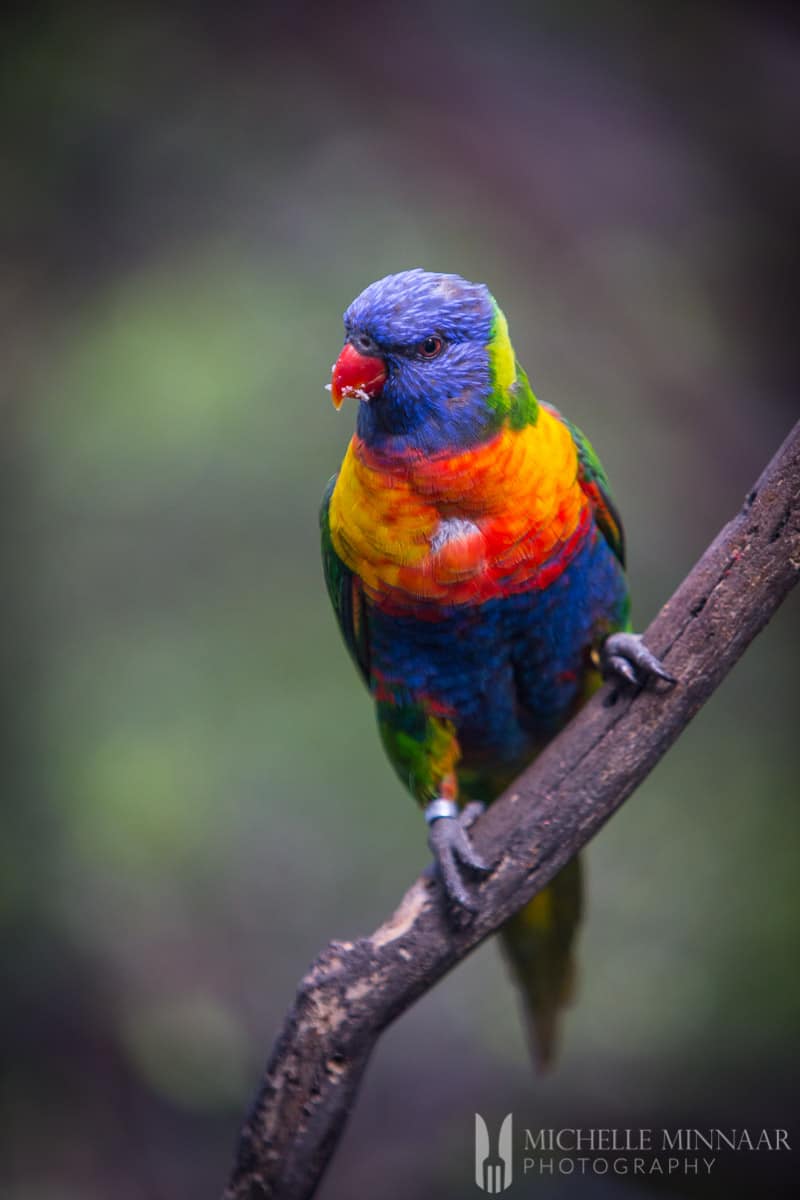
424 748
452 848
625 659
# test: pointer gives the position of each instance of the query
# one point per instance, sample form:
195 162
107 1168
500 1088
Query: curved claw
616 665
625 657
453 850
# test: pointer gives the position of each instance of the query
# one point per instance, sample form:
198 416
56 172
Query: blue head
422 353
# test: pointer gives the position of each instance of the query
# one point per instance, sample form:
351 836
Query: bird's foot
625 659
452 849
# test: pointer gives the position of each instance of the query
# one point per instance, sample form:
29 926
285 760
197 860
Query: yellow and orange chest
460 528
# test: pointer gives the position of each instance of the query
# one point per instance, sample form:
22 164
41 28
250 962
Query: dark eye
429 347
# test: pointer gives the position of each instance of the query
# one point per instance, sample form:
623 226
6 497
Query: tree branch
355 989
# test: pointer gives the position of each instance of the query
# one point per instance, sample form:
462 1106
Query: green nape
512 396
523 407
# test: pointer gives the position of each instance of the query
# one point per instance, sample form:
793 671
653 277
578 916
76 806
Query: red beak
357 375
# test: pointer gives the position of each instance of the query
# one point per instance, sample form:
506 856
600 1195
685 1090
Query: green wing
346 593
594 482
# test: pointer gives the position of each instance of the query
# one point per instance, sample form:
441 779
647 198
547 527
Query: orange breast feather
463 528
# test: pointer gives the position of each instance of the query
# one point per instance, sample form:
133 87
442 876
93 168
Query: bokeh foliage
195 799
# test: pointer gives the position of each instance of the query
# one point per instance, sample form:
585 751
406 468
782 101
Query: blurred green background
194 797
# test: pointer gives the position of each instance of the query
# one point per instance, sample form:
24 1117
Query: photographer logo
493 1169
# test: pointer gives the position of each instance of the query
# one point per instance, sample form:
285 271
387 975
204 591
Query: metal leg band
440 808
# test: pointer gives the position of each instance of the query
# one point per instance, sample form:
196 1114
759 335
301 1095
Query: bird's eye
429 347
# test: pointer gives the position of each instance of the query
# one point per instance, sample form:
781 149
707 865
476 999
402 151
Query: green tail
539 943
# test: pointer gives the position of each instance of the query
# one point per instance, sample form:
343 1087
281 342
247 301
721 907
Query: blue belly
510 672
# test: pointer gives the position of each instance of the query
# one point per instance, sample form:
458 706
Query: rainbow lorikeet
474 559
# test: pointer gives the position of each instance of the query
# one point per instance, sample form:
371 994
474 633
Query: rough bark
355 989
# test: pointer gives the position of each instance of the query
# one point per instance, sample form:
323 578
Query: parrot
475 562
